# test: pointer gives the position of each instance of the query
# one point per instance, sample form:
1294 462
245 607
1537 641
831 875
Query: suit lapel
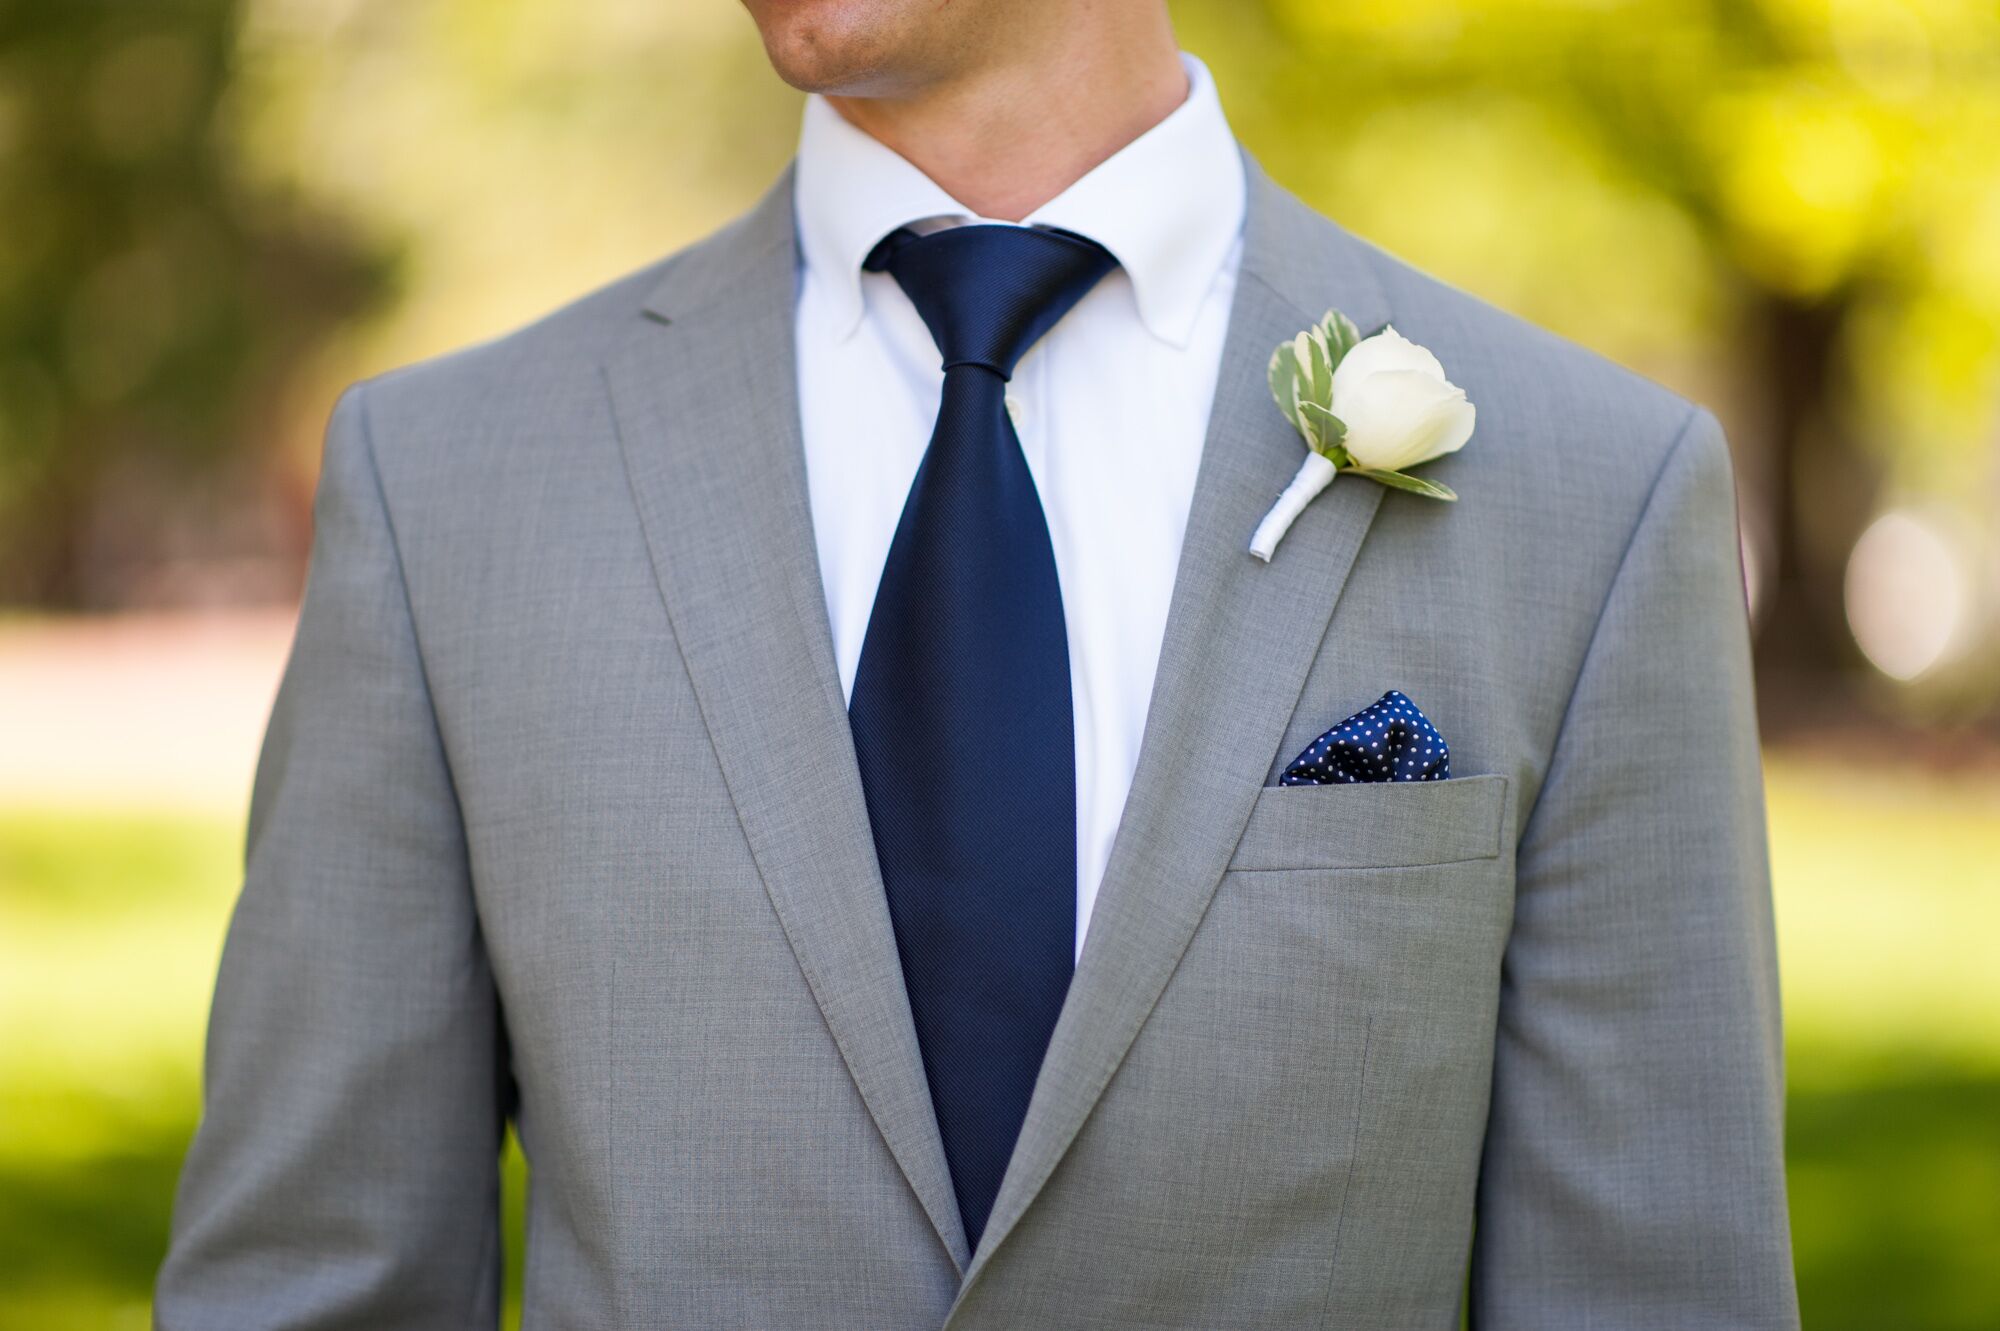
1240 638
704 391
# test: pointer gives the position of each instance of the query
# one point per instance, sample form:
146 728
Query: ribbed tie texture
961 704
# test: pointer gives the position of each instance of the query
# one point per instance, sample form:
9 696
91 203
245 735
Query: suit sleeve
345 1172
1633 1172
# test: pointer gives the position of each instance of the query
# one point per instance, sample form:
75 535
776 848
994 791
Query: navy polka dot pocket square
1390 741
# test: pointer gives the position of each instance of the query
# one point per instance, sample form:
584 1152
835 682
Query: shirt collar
1169 206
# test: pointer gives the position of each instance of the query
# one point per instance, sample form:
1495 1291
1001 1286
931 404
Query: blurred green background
215 213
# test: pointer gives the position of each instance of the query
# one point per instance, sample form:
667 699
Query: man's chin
815 71
828 46
817 44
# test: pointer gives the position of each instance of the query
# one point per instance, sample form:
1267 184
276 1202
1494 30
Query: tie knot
988 292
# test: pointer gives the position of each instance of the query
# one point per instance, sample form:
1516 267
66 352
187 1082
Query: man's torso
1266 1100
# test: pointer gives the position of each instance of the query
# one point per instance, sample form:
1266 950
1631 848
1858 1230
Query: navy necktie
961 703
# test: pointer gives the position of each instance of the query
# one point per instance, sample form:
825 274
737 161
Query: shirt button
1015 411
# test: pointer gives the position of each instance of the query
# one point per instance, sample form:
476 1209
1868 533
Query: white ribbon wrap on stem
1314 474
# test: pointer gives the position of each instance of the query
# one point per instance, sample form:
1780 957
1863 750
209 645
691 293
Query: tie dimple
961 709
988 293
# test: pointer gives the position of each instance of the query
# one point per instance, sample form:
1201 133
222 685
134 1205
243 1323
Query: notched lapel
704 392
1241 636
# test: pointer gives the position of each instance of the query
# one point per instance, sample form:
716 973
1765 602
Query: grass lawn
1888 908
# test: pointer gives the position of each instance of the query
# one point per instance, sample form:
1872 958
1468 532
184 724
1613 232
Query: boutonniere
1373 406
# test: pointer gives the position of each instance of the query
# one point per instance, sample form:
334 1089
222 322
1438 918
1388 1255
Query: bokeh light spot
1906 595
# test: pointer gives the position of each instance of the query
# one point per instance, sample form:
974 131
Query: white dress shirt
1111 405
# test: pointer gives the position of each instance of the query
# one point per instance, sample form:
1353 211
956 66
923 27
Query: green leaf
1328 428
1340 334
1319 385
1397 480
1284 377
1300 374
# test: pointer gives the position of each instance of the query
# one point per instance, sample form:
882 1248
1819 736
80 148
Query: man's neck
1004 139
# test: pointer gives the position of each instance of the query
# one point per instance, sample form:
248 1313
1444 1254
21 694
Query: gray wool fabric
559 819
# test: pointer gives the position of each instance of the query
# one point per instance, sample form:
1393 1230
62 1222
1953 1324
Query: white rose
1398 407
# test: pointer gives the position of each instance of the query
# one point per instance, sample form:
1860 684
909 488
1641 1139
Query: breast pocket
1355 950
1383 825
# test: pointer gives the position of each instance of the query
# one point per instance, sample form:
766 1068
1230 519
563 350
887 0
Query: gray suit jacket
559 819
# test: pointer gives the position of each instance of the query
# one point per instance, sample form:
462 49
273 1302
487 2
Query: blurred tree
521 150
149 304
1816 181
1788 208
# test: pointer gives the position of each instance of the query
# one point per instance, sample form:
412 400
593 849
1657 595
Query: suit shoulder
1559 405
500 377
1566 442
1548 402
549 368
